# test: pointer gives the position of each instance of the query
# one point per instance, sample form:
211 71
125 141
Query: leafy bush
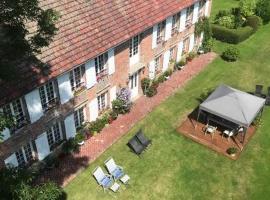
232 150
97 125
79 137
51 161
263 10
233 36
161 78
122 104
70 146
151 91
247 7
226 21
191 56
222 13
113 115
231 54
145 84
207 45
168 73
254 21
180 64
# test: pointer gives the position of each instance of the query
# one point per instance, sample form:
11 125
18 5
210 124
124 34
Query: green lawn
177 168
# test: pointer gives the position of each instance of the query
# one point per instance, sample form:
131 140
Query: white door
134 85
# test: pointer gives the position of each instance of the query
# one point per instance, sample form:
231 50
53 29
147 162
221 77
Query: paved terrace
71 165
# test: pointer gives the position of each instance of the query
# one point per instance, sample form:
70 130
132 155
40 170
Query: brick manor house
101 46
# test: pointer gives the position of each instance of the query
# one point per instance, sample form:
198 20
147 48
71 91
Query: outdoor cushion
106 182
136 145
144 140
118 173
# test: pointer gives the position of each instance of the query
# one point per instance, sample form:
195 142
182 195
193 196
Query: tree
263 10
24 29
5 122
18 184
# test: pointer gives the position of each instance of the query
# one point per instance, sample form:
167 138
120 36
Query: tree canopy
17 43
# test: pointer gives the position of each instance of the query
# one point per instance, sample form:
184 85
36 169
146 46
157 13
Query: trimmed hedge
254 21
232 36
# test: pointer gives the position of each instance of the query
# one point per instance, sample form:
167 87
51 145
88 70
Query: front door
134 85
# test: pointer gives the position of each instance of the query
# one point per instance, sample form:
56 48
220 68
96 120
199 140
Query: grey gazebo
233 105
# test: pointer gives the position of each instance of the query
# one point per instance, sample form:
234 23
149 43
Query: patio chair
135 145
144 140
104 180
115 170
258 91
267 100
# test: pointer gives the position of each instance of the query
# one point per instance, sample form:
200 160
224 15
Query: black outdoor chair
258 91
267 100
144 140
135 145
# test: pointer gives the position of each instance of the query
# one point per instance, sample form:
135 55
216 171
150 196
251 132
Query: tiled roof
88 28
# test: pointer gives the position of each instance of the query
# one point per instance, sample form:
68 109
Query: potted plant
80 138
232 151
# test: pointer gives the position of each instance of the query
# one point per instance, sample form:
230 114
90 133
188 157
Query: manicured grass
177 168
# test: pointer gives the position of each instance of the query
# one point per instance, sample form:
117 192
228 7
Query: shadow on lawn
68 166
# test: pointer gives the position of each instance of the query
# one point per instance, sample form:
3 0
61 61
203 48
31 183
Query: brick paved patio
70 166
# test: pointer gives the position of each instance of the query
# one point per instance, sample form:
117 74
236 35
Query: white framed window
102 101
157 62
134 46
185 46
173 53
79 117
201 8
134 82
16 111
161 31
76 77
47 95
175 23
101 64
24 154
54 135
189 18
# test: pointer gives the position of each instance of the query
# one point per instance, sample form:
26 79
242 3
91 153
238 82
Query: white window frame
161 31
185 45
46 100
22 154
76 81
189 18
101 64
134 46
134 83
102 101
172 53
79 117
53 132
157 63
202 8
176 23
9 110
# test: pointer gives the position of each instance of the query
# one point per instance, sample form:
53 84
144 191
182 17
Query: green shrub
79 137
263 10
254 21
151 91
232 150
145 84
191 56
70 146
247 7
231 54
113 115
168 73
51 161
207 45
232 36
161 78
97 125
226 21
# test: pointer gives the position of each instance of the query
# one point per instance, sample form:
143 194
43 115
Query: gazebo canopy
233 105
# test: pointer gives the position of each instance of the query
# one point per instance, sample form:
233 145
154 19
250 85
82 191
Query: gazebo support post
198 116
244 137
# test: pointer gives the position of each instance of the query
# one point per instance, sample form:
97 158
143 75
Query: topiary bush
145 84
254 21
232 36
231 54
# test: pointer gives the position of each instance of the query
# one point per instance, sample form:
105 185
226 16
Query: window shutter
93 107
183 20
6 134
112 94
111 61
70 126
207 7
168 30
12 161
154 37
166 60
65 90
152 69
191 42
34 106
179 51
90 73
195 13
43 148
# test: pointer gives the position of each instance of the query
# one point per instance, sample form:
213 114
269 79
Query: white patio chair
115 170
104 180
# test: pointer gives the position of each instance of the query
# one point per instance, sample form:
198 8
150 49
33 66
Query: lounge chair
135 145
104 180
144 140
258 91
267 100
115 170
